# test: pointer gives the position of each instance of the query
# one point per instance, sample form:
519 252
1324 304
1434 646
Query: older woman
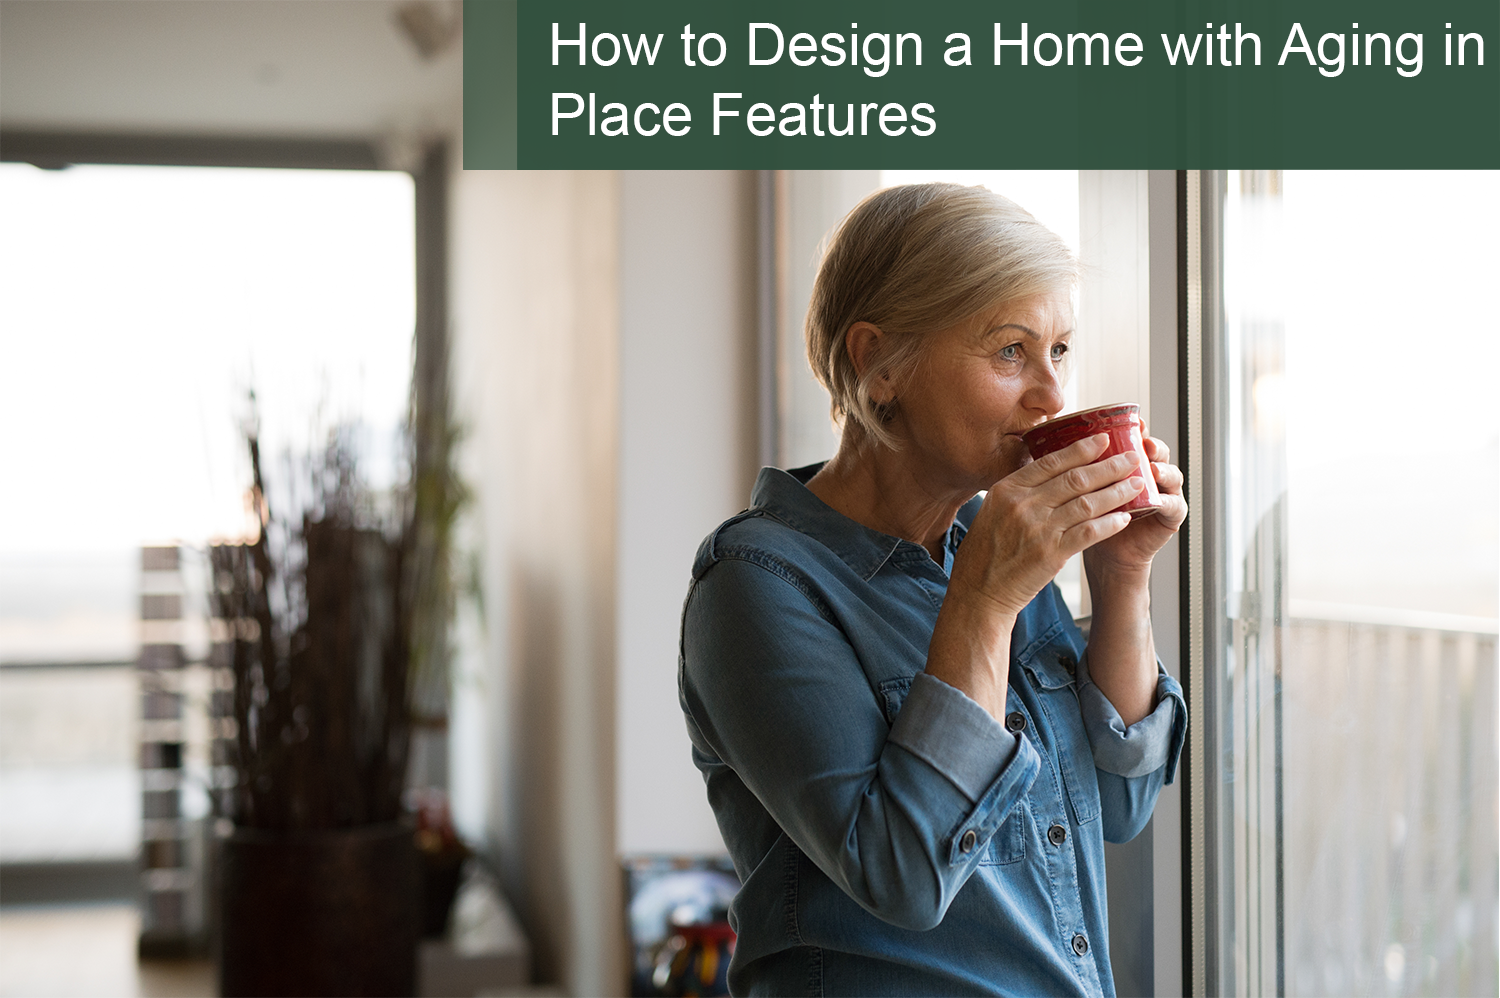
914 756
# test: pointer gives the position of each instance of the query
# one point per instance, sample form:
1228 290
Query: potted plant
323 615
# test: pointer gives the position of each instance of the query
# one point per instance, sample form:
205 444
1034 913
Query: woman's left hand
1131 550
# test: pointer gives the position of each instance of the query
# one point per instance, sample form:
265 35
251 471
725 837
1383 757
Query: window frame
1131 340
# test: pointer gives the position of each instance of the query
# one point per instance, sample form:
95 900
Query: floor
88 951
70 819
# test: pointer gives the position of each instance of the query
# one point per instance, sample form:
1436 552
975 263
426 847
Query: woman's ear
862 342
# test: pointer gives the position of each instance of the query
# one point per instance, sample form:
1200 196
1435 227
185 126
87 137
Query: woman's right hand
1036 518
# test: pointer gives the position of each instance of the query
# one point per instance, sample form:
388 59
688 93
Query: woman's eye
1012 352
1058 350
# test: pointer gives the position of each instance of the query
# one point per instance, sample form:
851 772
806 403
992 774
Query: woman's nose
1046 391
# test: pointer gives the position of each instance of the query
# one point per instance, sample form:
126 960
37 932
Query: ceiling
329 69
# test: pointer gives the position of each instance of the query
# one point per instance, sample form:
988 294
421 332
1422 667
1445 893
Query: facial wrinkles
981 397
1047 376
993 337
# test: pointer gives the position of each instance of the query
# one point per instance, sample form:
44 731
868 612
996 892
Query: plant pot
333 912
441 876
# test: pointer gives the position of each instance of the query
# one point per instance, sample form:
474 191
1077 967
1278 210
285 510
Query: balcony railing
1389 778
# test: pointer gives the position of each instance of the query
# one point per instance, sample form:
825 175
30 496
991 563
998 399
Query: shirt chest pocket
1051 671
1008 845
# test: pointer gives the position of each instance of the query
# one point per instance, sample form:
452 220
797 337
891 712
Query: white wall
535 310
604 361
687 461
809 204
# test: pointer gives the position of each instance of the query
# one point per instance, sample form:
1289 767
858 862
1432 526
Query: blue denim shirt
890 835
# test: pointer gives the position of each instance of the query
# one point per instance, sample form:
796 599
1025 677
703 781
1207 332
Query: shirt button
1015 722
966 844
1057 835
1080 944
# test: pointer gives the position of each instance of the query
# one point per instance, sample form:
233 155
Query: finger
1173 512
1156 449
1076 483
1092 477
1075 455
1098 503
1168 477
1091 532
1169 516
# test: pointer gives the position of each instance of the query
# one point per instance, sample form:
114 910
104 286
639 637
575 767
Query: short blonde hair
914 259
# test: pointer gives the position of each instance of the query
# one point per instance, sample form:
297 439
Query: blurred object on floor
485 951
442 854
678 914
694 961
89 951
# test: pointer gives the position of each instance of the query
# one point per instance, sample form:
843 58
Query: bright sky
140 303
1392 359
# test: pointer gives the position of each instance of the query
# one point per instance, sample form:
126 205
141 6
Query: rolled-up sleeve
1134 762
897 815
953 734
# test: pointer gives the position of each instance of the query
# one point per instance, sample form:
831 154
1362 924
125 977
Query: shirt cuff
1147 745
954 735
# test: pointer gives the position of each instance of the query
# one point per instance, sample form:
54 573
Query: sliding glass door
1341 344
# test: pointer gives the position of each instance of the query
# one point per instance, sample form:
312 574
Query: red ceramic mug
1122 422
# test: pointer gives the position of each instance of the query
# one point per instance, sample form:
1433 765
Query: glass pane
1358 823
139 305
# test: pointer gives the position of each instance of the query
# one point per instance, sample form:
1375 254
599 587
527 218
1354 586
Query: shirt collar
785 495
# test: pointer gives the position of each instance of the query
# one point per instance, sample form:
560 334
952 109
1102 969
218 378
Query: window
140 304
1348 584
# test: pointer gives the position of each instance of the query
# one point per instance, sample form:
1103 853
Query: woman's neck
877 488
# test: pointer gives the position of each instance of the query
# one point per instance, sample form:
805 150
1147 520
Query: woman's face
979 385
